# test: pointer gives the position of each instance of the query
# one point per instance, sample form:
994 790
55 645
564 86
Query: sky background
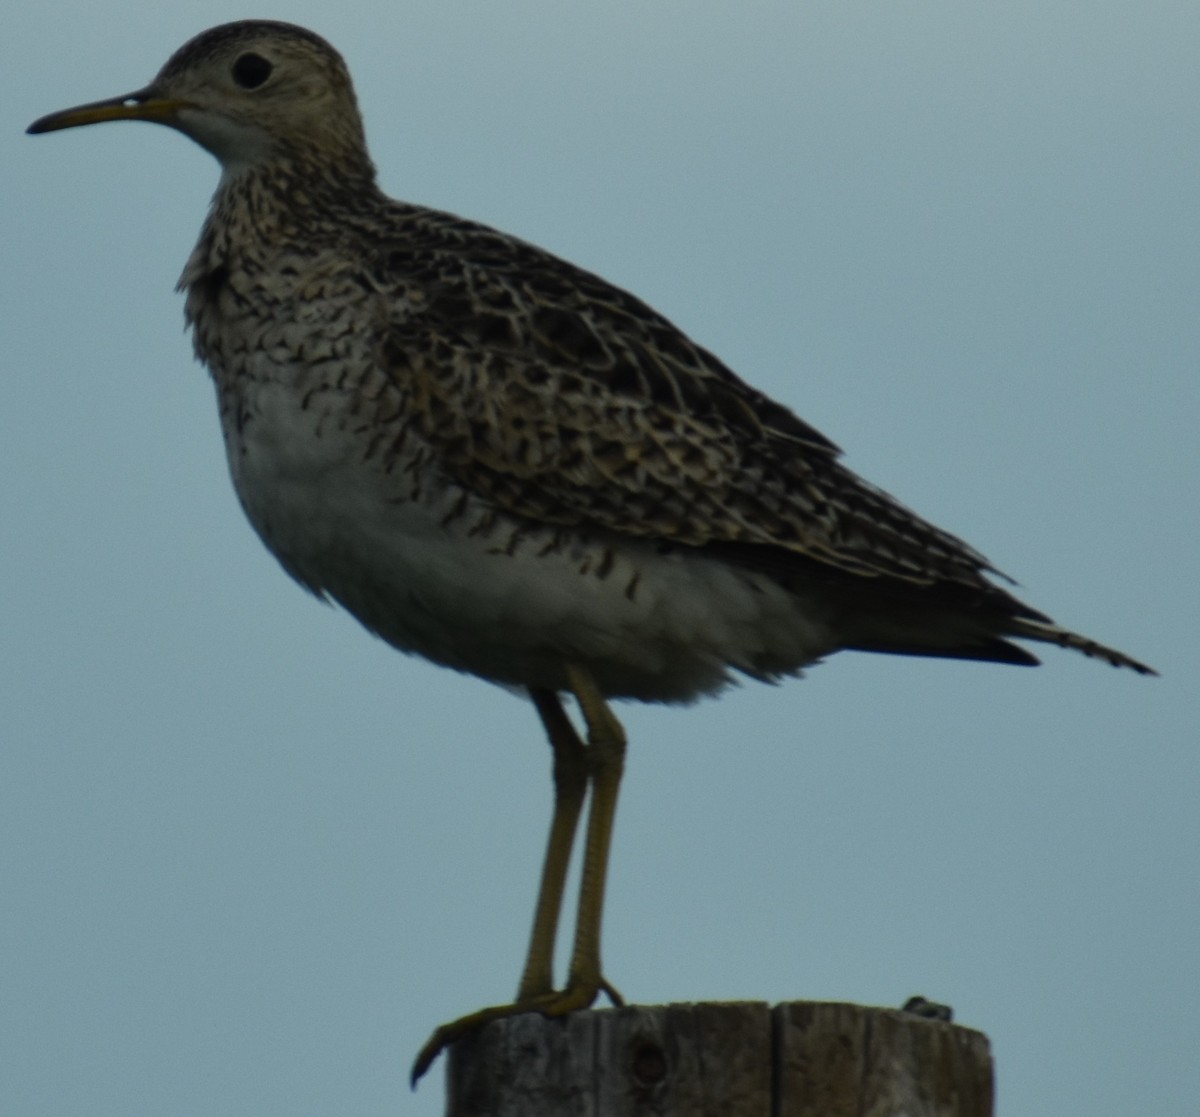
250 856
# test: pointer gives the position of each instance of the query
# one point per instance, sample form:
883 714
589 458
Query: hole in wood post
649 1064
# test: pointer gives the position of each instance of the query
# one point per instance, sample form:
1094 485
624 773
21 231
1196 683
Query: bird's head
250 92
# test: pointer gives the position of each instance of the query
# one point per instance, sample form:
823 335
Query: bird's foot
576 997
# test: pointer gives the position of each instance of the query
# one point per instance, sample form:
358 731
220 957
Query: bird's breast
358 508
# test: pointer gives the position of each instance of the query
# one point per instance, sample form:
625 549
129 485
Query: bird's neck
262 208
285 200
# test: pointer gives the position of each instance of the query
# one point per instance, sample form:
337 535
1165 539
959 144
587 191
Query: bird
496 460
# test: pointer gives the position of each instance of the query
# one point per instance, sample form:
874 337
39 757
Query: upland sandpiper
499 461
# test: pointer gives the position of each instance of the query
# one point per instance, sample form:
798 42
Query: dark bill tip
144 104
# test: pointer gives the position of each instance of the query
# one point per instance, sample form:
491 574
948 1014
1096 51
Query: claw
559 1003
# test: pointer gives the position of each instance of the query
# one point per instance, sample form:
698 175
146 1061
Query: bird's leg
570 787
601 764
606 761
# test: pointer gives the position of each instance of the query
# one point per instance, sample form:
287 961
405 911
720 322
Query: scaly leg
570 787
606 759
601 763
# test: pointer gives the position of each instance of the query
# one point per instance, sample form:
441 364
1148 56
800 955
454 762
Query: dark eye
251 70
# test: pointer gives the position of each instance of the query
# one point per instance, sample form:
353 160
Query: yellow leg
601 764
606 759
570 787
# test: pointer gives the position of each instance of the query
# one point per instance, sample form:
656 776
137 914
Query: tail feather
1050 633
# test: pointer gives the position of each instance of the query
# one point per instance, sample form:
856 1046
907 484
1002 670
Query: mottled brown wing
565 400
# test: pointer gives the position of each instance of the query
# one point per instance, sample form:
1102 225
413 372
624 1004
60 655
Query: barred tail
1049 633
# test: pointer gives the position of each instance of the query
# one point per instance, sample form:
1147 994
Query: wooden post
724 1059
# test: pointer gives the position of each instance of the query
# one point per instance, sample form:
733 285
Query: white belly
445 578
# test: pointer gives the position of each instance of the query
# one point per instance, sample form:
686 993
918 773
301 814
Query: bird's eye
251 70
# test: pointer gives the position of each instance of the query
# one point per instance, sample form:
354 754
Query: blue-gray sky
250 855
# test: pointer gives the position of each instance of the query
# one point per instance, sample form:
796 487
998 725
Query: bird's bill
145 104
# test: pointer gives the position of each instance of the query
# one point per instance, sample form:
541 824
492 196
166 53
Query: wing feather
565 400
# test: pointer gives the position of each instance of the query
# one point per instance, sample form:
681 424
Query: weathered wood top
723 1059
